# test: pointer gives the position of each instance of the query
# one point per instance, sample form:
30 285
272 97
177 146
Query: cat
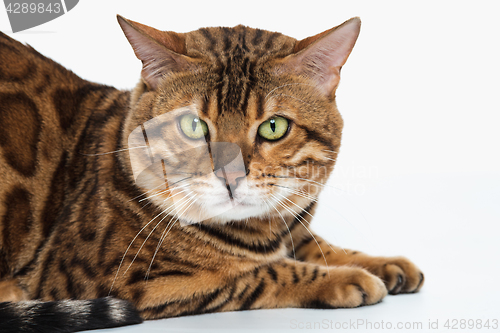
91 235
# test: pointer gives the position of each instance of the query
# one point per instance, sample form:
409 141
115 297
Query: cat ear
161 52
321 57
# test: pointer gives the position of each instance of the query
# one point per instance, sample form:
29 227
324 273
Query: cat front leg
399 274
285 283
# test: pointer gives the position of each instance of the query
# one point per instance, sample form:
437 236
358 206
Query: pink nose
230 178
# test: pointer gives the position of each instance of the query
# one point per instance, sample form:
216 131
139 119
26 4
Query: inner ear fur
320 57
161 52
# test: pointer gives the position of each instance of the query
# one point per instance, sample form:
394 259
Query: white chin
234 212
228 211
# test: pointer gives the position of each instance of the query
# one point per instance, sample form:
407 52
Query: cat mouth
233 202
222 211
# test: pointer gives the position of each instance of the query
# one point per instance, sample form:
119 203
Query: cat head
230 124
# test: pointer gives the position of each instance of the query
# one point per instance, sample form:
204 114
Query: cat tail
66 316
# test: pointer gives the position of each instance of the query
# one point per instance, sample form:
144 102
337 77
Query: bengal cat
221 119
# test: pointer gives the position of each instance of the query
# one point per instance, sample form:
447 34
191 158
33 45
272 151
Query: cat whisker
193 199
162 184
146 204
166 211
132 242
186 200
305 227
270 226
303 194
163 237
116 151
304 179
297 192
289 232
172 216
331 151
154 188
165 191
128 248
310 216
311 181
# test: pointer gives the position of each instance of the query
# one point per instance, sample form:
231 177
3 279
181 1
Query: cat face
234 123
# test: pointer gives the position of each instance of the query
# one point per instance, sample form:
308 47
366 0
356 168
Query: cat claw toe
420 283
399 285
402 276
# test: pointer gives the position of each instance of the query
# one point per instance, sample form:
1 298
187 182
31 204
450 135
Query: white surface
418 171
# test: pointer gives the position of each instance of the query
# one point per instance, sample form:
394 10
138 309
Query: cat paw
400 275
350 287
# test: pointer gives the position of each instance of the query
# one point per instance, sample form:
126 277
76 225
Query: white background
419 170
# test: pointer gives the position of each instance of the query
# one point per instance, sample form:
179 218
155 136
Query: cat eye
193 127
274 128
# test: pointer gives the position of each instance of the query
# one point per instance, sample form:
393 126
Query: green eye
274 128
193 127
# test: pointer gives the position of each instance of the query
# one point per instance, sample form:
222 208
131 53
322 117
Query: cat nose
230 179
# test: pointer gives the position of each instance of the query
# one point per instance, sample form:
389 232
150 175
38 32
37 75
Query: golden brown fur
69 209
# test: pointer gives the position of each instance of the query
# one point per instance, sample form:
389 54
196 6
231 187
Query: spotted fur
75 226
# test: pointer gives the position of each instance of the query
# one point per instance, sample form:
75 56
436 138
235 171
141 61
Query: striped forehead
237 54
